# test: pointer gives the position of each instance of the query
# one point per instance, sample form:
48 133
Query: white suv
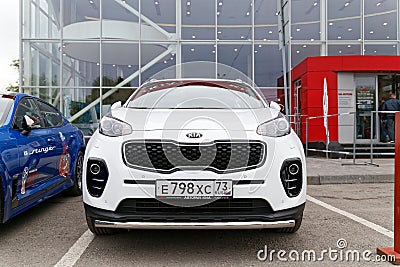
194 154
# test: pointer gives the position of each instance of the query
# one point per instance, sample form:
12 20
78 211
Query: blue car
41 154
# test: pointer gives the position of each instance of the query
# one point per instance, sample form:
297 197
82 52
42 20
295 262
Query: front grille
168 156
153 207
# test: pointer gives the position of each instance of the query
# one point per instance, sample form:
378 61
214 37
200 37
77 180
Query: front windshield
196 97
5 104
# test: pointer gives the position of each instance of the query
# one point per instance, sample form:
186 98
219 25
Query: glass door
365 104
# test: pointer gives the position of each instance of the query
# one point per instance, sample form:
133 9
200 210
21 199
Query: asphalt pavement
355 216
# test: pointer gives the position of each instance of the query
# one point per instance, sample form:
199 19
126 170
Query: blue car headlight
114 127
276 127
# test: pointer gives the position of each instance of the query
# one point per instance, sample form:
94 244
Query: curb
350 179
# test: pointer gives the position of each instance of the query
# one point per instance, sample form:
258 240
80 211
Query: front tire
97 230
76 189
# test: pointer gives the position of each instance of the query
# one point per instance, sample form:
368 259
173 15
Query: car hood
198 119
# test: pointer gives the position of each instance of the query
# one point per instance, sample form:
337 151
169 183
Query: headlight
114 127
275 127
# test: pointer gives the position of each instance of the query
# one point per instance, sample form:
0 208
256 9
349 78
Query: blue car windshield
5 105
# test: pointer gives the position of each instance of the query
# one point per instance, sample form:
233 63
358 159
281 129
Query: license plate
199 189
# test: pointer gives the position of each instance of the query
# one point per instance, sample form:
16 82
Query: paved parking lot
44 235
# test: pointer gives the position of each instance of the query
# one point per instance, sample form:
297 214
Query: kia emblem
194 135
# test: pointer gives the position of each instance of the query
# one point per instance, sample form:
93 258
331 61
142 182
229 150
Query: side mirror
274 105
116 105
29 123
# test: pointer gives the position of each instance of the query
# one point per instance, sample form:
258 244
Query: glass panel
301 52
349 49
236 56
381 20
161 12
119 20
344 20
87 13
81 64
379 49
268 65
40 61
150 52
234 18
195 52
40 19
120 61
265 20
76 99
366 102
305 20
198 20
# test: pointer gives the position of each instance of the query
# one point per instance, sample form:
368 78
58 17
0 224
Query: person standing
382 120
392 104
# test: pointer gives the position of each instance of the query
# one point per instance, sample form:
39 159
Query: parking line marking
76 251
353 217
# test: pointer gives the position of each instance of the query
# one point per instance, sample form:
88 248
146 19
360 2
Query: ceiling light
129 66
312 39
242 37
315 4
235 49
113 65
340 51
387 37
188 12
378 4
172 58
91 1
248 13
374 51
188 3
192 49
276 14
347 4
330 23
220 3
371 32
297 30
339 37
194 36
219 32
255 51
156 2
218 13
98 64
213 51
259 46
270 32
394 45
165 62
304 46
385 24
265 39
297 51
349 29
348 46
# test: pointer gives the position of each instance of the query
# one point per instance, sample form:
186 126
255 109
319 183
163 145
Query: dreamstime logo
338 253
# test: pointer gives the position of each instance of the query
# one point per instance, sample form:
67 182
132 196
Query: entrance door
365 104
387 84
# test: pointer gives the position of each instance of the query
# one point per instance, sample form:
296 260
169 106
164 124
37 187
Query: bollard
395 251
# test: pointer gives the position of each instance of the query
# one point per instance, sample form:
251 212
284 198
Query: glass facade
83 55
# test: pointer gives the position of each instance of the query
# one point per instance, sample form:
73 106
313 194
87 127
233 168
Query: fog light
95 168
293 169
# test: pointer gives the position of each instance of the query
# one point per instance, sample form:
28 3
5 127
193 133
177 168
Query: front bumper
270 219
